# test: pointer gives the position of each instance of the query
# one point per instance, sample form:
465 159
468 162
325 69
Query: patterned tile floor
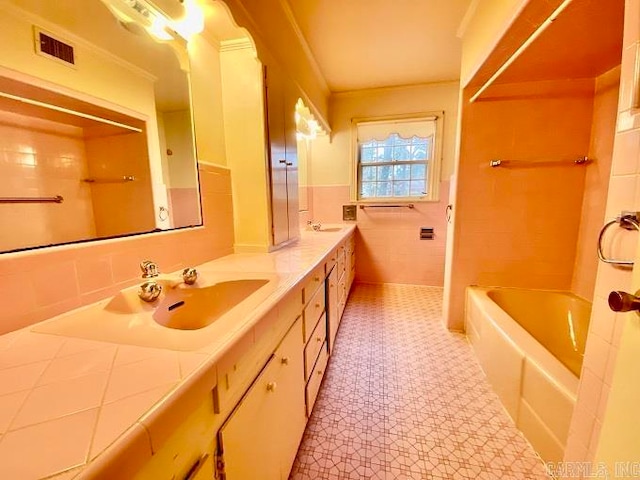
403 398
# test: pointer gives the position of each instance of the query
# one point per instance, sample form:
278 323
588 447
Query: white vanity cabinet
260 438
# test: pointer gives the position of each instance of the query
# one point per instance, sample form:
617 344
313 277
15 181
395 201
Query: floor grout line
405 398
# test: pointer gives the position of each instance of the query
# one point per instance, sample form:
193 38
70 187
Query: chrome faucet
315 226
189 276
150 290
149 269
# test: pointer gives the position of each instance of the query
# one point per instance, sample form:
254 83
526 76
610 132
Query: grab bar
389 205
543 163
123 179
626 220
56 199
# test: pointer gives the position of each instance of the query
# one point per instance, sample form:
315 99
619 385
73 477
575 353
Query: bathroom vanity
237 403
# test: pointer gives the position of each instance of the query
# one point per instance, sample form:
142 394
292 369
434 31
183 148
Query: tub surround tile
603 319
596 355
627 152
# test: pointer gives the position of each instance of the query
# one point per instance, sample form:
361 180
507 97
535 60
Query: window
397 159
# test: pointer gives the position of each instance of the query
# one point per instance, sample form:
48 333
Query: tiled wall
121 207
39 158
388 245
46 282
518 226
606 326
605 109
184 206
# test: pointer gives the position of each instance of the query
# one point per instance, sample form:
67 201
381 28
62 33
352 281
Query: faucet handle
149 269
189 275
149 291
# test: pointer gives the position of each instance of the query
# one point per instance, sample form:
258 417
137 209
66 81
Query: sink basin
184 318
195 308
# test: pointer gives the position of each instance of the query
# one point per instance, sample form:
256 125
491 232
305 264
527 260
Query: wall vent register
49 46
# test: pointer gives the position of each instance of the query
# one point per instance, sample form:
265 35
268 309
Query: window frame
434 165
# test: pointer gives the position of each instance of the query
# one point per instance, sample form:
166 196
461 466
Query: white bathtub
536 383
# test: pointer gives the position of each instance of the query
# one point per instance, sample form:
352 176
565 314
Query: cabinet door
246 437
332 307
260 439
291 148
290 410
274 93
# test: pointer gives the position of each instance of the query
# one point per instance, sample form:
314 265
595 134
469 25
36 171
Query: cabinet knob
284 360
320 372
623 301
319 339
316 279
317 305
271 386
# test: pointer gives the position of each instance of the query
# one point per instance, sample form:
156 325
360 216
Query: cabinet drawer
316 342
342 289
341 260
311 284
313 311
331 261
313 386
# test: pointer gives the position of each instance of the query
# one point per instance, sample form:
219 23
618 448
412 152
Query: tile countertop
74 408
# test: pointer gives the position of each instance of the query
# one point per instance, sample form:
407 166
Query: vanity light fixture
307 127
158 24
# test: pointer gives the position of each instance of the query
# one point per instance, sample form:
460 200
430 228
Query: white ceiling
380 43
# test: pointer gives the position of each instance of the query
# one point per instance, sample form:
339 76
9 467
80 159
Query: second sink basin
194 308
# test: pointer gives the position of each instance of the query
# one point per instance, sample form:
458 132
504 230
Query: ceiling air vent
49 46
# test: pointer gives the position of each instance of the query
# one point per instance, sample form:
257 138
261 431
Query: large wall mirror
96 134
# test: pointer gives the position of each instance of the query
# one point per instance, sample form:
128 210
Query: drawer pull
316 279
284 360
271 386
319 339
317 305
320 372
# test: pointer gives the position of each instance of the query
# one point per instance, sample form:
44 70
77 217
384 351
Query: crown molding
286 7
